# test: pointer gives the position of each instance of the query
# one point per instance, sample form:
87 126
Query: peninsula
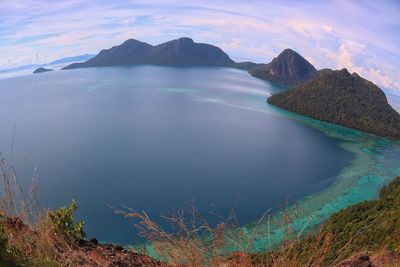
344 99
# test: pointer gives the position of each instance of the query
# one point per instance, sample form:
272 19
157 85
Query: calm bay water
156 138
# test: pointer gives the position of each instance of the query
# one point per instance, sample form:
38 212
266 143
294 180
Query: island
41 70
344 99
182 51
289 68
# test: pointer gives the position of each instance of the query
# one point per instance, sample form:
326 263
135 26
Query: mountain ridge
182 51
288 68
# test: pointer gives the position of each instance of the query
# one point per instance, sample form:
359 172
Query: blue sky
363 36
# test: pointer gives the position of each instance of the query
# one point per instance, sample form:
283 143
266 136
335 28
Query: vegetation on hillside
370 228
371 225
344 99
63 222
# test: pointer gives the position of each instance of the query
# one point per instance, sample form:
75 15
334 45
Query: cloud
363 37
354 57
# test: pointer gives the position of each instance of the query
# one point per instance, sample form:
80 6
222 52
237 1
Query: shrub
63 222
3 243
8 254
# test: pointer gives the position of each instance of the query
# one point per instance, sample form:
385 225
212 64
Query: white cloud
353 56
346 53
362 37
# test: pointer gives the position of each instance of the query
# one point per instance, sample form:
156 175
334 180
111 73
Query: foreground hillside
366 234
345 99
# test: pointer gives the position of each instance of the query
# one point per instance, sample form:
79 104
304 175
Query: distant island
344 99
41 70
182 51
26 69
288 68
71 59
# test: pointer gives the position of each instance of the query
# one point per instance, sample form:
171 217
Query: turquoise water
156 138
376 163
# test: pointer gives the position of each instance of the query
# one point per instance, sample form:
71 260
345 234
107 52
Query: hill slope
365 234
288 68
345 99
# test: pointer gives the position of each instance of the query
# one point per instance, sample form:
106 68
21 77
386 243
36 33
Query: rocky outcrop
92 253
289 68
345 99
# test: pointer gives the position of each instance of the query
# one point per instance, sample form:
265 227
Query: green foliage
367 226
370 225
63 222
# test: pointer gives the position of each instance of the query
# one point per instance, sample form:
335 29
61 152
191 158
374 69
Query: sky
362 36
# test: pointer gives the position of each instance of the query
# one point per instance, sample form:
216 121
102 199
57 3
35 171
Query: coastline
372 167
361 180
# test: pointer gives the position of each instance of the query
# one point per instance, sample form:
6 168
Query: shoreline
361 180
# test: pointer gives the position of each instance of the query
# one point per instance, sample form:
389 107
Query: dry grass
16 201
194 242
31 237
38 246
